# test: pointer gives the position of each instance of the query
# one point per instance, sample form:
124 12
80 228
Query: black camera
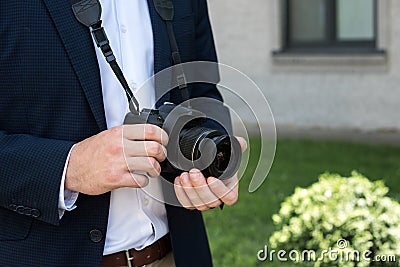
191 144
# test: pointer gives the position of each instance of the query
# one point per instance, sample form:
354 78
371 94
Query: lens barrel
214 153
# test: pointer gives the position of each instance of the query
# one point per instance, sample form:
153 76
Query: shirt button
123 29
133 86
145 201
96 235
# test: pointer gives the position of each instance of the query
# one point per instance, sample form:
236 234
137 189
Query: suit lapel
79 46
162 50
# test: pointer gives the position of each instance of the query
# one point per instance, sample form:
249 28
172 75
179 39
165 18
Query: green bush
342 214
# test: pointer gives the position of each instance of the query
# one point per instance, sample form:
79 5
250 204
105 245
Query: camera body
191 144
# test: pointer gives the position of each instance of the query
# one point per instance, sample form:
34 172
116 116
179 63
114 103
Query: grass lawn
237 233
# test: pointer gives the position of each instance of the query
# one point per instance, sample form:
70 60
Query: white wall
352 92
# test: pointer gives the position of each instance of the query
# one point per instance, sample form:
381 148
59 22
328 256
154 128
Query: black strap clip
88 12
100 37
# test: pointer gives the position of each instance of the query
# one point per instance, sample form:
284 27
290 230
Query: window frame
331 43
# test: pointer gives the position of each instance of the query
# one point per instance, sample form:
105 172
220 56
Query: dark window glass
330 24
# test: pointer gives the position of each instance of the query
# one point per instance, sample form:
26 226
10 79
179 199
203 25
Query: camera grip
134 119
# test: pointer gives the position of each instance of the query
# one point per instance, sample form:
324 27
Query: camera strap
88 12
165 10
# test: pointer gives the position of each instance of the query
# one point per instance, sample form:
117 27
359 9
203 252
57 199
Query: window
330 25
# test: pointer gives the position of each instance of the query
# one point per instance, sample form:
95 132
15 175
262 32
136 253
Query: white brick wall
328 92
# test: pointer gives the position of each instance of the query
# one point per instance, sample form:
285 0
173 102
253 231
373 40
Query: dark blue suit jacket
50 98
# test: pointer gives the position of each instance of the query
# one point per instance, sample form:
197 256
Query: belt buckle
129 258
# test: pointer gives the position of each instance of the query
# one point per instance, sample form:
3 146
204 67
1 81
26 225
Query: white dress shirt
136 219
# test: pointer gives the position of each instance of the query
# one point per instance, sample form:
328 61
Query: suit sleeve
31 169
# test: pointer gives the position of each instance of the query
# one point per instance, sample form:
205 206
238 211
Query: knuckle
116 131
154 166
196 180
164 137
162 156
176 182
116 148
112 178
150 131
153 148
153 162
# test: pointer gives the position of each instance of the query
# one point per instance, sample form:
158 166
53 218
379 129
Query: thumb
136 180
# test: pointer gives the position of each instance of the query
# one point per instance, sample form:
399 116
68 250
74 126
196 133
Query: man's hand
105 162
194 191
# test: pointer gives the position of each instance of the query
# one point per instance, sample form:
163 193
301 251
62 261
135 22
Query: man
67 194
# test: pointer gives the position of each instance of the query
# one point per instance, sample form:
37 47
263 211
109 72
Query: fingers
193 191
145 164
135 180
242 142
145 149
145 132
199 183
97 164
223 191
181 195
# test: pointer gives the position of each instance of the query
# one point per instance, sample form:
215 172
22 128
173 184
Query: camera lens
215 154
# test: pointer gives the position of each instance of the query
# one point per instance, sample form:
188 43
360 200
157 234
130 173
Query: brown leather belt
136 258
